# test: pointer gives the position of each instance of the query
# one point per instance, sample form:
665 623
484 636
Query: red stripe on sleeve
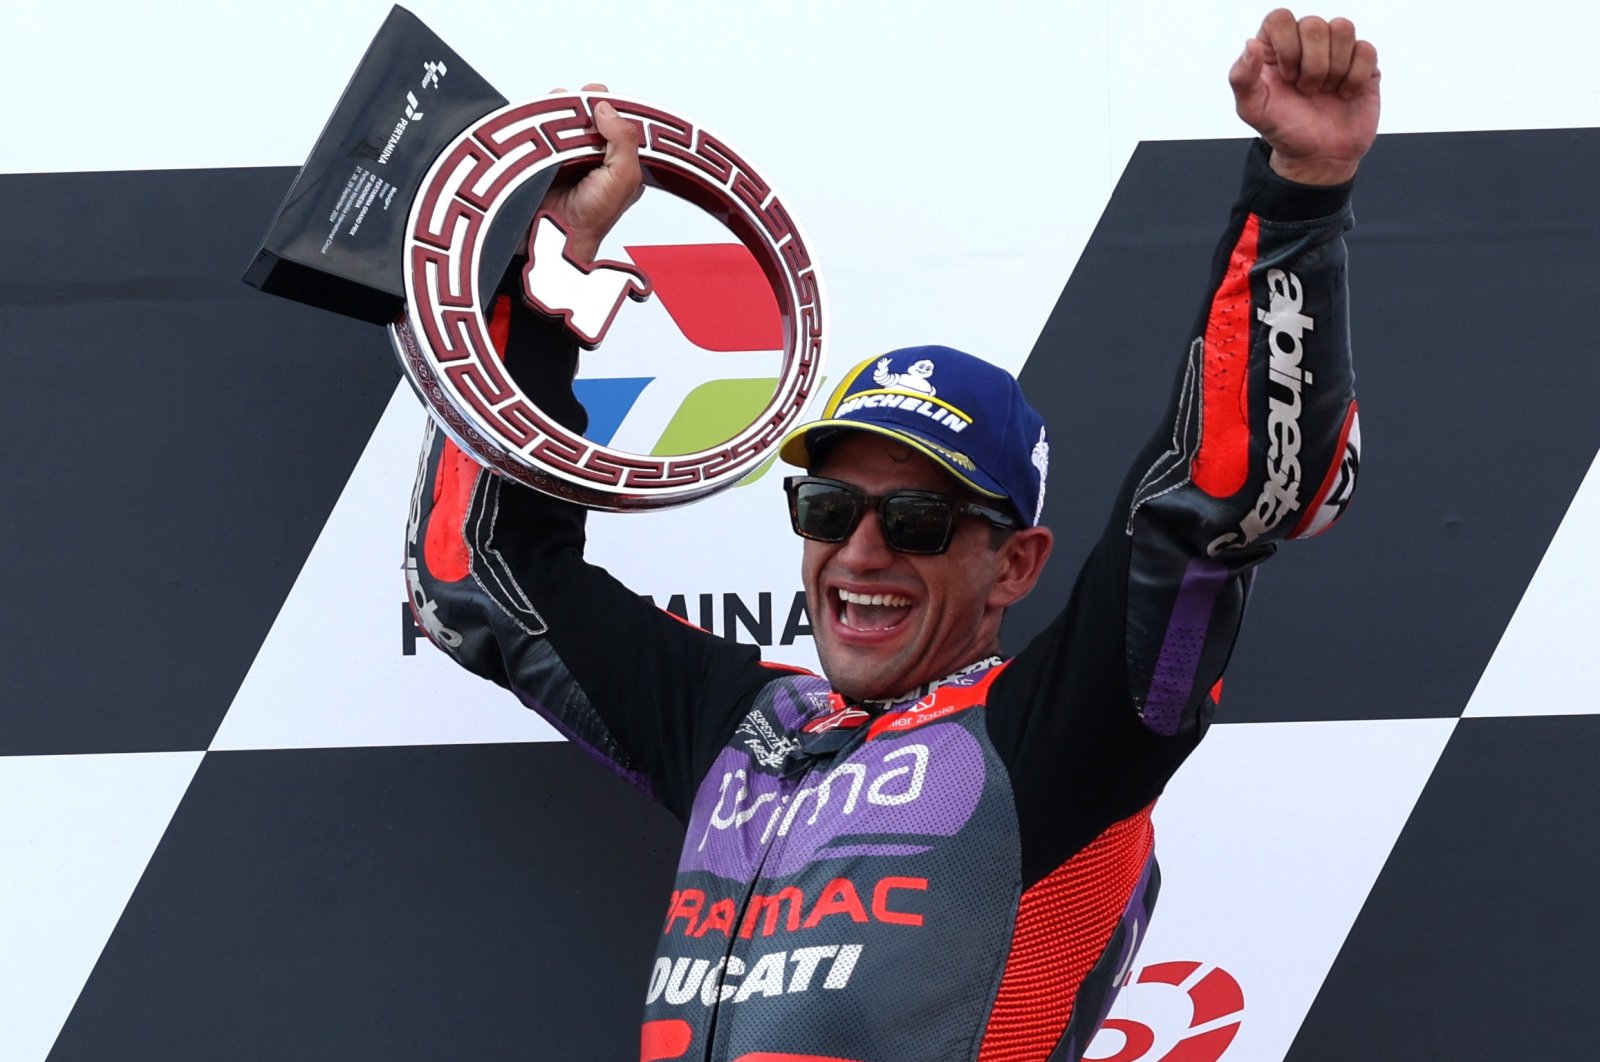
444 545
1223 463
500 324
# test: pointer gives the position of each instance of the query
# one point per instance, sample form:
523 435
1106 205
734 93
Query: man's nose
866 549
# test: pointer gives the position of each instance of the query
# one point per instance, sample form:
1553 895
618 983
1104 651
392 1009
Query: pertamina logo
431 73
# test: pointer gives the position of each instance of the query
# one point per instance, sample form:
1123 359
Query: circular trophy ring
443 341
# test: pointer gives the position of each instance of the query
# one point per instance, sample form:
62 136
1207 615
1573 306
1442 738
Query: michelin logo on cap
947 417
999 449
904 391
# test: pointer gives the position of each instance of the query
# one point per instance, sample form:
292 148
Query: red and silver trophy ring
443 338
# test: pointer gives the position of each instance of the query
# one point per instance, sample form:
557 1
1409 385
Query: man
934 852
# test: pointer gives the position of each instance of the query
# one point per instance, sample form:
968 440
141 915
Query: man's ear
1021 562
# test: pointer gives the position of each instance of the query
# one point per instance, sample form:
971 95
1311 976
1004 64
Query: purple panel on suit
925 784
1172 685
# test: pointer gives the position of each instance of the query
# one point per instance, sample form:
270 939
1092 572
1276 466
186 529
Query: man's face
886 622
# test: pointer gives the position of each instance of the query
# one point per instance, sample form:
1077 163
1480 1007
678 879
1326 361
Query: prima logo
1280 494
900 784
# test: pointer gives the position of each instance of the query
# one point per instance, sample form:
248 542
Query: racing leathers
964 871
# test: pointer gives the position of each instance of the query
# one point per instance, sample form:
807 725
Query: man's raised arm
1261 439
1263 436
497 570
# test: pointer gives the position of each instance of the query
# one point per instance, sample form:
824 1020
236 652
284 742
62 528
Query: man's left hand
1309 86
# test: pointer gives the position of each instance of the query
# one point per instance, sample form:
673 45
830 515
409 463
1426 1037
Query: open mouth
870 612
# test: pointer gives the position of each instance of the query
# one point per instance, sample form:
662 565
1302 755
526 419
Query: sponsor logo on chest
847 787
766 744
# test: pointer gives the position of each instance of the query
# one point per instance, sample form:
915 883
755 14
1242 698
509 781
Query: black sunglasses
913 521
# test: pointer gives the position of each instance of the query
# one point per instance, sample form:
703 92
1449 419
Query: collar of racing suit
919 692
826 735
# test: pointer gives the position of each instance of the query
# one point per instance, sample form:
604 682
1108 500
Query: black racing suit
965 872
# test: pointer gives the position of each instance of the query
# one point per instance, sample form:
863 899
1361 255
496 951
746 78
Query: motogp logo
1191 1012
443 338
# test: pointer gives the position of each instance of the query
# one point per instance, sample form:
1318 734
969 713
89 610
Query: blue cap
965 414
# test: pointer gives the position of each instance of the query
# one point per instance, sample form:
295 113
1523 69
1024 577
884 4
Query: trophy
423 187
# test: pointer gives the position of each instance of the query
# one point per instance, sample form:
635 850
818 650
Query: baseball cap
965 414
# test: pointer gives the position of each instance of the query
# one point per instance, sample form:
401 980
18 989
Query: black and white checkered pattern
236 823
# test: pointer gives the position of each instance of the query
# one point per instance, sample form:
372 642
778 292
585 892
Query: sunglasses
912 521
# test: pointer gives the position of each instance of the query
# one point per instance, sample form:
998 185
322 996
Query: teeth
892 600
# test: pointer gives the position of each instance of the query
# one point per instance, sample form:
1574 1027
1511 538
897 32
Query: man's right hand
590 206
